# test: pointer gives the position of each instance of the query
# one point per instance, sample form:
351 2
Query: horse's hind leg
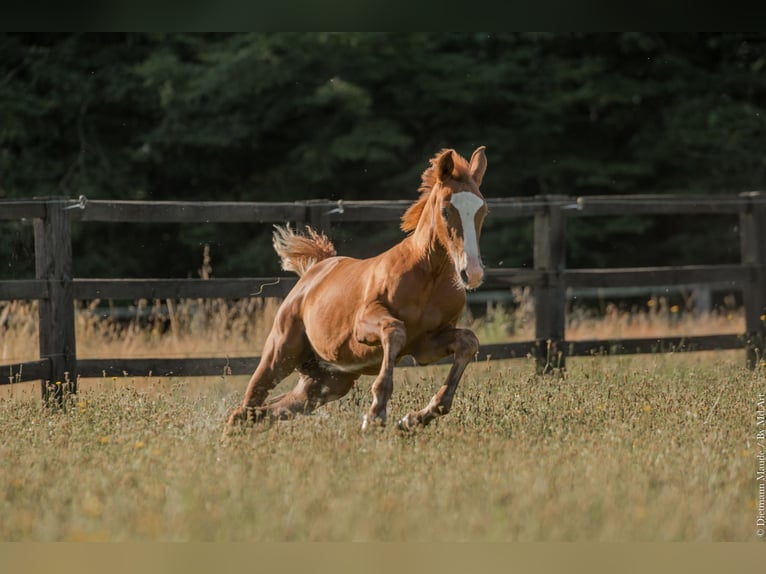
464 345
285 349
313 389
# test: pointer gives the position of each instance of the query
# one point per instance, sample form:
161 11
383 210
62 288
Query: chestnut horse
349 317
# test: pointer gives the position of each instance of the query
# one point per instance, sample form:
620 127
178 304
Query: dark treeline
282 117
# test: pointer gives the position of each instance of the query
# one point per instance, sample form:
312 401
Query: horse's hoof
413 421
406 424
237 418
369 423
247 416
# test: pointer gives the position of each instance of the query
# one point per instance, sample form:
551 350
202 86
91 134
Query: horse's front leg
461 343
376 326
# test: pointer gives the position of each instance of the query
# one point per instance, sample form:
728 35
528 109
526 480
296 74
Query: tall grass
657 447
622 449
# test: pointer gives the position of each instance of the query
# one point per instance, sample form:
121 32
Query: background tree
269 116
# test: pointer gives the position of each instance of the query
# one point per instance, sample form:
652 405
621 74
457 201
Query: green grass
622 449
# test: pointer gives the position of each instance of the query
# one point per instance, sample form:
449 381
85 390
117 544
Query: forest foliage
296 116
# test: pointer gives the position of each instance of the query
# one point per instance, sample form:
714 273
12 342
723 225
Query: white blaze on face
467 205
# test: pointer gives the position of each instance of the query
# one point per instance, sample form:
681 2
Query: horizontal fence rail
56 289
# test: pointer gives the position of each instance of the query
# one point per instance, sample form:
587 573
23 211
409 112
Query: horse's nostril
464 276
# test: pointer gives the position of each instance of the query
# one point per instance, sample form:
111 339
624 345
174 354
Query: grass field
645 448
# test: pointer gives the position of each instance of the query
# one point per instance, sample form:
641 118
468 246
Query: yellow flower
139 444
104 440
674 309
647 408
762 317
58 383
650 303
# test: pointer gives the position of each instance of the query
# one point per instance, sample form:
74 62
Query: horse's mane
428 180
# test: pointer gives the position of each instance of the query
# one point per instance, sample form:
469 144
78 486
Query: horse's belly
368 367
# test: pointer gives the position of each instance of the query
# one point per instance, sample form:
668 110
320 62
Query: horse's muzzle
472 275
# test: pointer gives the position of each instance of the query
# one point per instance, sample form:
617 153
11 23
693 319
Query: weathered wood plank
236 366
651 276
646 204
655 345
190 212
214 366
166 367
16 289
21 209
361 211
28 371
237 288
512 277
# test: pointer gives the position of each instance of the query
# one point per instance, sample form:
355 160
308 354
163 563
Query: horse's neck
426 247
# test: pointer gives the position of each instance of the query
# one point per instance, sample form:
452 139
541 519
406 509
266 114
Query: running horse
349 317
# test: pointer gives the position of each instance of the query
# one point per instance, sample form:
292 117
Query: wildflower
650 303
647 408
58 383
104 440
139 444
674 309
762 317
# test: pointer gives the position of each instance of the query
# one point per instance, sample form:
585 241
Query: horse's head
461 210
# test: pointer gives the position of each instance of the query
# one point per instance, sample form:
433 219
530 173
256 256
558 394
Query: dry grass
656 318
657 447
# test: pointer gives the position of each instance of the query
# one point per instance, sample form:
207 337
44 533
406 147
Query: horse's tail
299 252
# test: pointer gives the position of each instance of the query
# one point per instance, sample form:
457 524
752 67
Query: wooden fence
56 289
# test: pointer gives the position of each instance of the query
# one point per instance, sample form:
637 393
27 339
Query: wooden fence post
53 263
550 298
752 233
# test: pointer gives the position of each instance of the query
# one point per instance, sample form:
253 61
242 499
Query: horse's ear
478 164
444 165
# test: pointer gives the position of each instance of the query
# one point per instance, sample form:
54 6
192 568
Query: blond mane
428 180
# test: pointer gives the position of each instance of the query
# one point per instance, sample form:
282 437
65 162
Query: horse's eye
445 212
